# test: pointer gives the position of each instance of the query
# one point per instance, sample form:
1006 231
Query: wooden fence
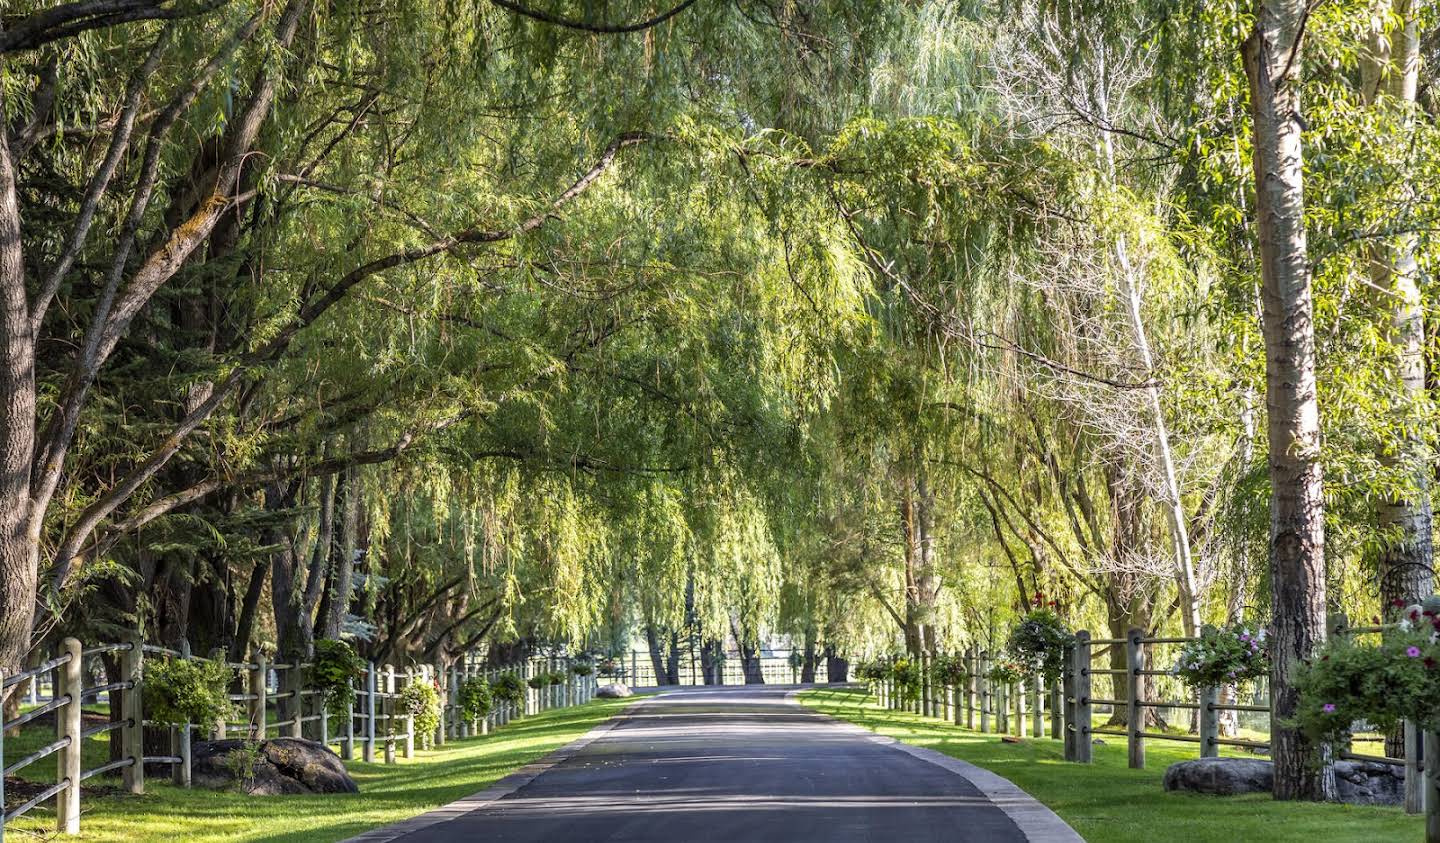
1067 708
275 699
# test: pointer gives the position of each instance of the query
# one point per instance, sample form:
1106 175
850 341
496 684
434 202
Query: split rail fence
277 700
1065 709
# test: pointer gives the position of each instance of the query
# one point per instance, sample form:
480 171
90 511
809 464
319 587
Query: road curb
500 789
1038 823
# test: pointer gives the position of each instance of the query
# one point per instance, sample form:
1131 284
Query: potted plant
1378 684
1038 643
1224 656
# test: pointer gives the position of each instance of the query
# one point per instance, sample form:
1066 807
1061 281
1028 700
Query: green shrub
1038 643
509 688
476 699
421 700
1224 656
336 669
582 667
181 691
905 672
874 670
538 681
242 761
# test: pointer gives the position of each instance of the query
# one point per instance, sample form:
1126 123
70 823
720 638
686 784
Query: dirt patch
20 791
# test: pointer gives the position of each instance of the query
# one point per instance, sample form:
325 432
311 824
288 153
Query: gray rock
270 767
1221 776
1369 783
1358 782
613 691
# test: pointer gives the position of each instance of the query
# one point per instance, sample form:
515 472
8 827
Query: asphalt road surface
743 764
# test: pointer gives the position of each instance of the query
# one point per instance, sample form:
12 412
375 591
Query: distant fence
775 667
1065 710
274 698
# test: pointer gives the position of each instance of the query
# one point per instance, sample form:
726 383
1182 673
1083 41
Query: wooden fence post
1069 728
970 684
387 704
69 722
454 677
1135 716
1037 702
295 677
1414 742
258 697
984 692
1018 689
132 734
927 706
347 739
1057 706
958 699
1001 705
369 752
1209 722
1431 758
180 738
1083 748
220 727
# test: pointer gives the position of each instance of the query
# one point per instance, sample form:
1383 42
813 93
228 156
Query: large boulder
270 767
1358 782
613 691
1221 776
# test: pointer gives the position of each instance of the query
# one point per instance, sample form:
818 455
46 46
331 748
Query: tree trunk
1129 291
343 580
807 666
837 668
749 655
672 660
921 581
19 531
712 661
1389 77
657 656
1303 769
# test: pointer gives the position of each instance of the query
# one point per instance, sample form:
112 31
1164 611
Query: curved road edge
1038 823
500 788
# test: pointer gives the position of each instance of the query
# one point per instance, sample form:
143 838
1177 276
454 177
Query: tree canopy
438 324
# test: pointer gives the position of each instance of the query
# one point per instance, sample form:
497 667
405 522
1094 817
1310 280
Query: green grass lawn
387 793
1107 802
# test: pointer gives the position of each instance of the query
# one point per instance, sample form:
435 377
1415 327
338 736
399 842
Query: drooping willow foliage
871 325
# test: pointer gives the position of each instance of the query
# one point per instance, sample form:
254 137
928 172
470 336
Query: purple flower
1413 652
1329 708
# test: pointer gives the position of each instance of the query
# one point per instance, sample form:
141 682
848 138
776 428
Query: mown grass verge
1107 802
388 793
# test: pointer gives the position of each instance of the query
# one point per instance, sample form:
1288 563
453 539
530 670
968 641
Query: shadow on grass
388 793
1107 802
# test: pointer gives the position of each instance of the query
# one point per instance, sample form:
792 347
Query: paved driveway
740 764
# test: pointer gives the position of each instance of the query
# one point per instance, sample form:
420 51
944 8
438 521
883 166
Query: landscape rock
613 691
1370 783
1358 782
1221 776
269 768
